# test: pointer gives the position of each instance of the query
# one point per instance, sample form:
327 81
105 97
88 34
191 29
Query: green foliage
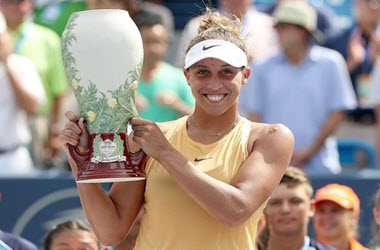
97 140
119 145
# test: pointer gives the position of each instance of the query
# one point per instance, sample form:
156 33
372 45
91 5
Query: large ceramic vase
102 53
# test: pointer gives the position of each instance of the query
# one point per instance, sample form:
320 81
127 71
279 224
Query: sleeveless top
172 220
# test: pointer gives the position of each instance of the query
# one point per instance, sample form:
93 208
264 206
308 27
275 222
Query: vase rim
102 10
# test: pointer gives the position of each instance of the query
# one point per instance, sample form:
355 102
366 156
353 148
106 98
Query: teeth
215 98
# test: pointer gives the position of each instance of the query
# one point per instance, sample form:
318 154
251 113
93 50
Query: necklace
214 134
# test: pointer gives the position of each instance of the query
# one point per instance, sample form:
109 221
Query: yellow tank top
172 220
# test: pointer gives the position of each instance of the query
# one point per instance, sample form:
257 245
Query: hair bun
213 20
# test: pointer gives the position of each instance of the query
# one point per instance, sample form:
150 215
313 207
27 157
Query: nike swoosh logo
209 47
202 159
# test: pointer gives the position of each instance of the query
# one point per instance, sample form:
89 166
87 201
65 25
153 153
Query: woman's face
216 84
74 240
332 221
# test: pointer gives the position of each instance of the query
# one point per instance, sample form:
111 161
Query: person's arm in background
355 51
182 100
340 97
58 84
301 157
377 113
374 96
23 77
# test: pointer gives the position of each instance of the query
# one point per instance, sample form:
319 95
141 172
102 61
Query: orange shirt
355 245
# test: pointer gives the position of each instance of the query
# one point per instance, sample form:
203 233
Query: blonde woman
209 174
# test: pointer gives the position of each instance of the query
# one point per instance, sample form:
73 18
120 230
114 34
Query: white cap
3 23
219 49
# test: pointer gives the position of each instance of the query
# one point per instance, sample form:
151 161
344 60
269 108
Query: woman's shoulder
270 135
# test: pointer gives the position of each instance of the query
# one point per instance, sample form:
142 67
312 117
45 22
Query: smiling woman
209 174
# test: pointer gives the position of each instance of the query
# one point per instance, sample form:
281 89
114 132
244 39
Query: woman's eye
202 72
227 72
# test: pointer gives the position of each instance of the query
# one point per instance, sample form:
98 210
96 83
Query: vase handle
78 158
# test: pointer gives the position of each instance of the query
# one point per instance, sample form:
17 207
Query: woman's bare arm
110 215
232 203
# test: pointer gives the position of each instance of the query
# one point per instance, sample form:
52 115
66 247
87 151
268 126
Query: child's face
74 240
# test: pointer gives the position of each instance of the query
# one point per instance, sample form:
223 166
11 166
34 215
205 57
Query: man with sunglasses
42 46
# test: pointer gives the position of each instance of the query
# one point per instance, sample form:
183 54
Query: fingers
83 126
67 139
74 127
138 121
71 116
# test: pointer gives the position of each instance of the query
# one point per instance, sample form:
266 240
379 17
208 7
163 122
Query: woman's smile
215 98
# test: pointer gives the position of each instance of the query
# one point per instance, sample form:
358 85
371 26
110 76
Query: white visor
219 49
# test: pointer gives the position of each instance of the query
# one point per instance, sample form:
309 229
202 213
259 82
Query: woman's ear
187 75
246 74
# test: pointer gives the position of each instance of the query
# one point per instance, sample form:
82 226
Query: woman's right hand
75 133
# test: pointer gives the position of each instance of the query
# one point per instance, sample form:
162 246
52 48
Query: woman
209 174
73 235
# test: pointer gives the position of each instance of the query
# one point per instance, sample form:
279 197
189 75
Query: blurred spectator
42 46
257 26
73 235
163 93
374 99
55 14
292 88
336 218
287 215
375 242
135 6
12 242
360 46
21 94
325 17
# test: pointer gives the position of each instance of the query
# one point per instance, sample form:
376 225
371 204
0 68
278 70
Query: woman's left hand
149 137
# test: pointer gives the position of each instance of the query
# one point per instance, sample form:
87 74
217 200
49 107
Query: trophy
102 54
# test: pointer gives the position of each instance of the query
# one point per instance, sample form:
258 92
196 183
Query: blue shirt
15 242
302 97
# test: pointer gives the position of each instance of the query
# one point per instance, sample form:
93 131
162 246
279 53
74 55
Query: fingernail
77 120
84 121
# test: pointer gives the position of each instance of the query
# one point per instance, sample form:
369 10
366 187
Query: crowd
306 73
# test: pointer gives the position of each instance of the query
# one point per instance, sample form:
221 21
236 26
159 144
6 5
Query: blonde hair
215 26
294 177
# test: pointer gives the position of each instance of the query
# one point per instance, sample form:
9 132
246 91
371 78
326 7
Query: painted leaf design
98 139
